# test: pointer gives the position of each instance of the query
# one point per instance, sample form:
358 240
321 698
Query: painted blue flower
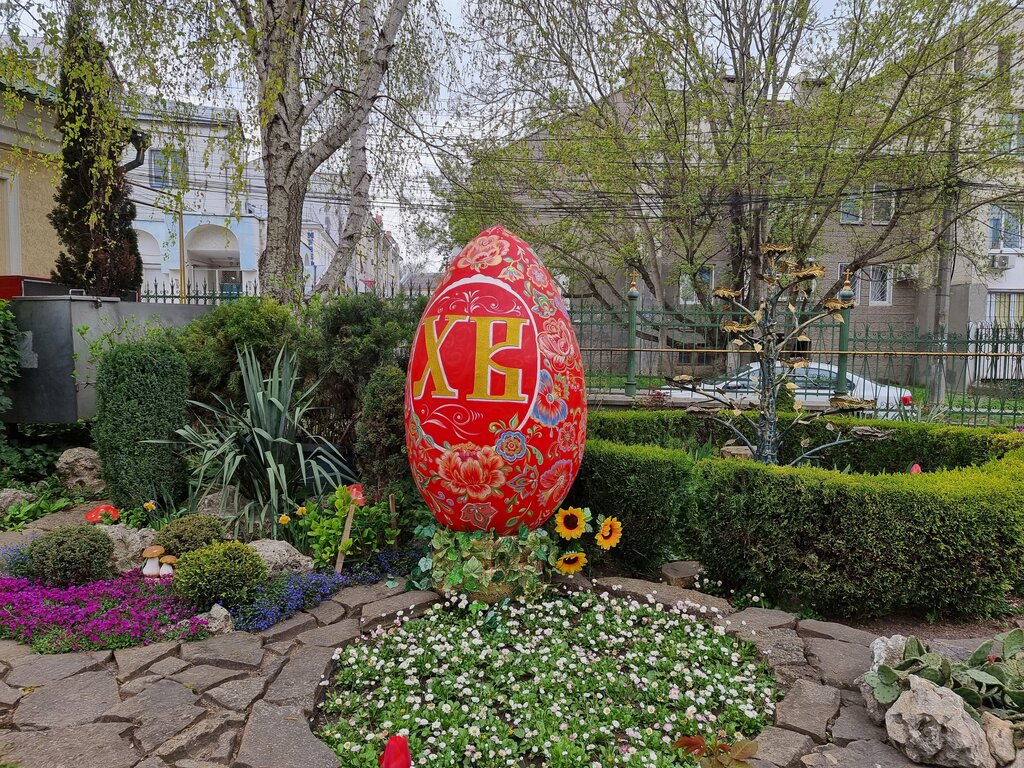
511 445
549 409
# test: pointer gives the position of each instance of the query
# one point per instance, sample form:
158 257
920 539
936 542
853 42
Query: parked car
815 387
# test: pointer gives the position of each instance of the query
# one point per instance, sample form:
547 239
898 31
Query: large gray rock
218 620
236 650
132 661
354 597
854 724
929 725
333 635
289 628
299 680
757 619
222 503
281 557
11 496
681 573
277 736
79 469
839 664
857 754
238 694
780 647
999 734
128 545
829 630
888 651
97 745
161 711
782 748
808 708
689 600
33 671
75 701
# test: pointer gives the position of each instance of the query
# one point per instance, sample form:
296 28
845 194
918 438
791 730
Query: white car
815 387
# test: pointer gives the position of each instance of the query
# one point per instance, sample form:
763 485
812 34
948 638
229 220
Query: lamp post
845 295
633 296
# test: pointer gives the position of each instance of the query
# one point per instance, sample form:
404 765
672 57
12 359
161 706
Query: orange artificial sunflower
571 562
570 523
610 533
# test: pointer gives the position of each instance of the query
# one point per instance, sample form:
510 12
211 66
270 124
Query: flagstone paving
246 699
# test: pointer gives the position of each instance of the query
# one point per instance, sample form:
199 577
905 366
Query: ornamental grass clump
103 615
564 682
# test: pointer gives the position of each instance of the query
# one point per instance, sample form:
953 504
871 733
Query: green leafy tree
94 213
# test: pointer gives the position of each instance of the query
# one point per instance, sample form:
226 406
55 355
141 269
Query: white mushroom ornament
167 565
152 555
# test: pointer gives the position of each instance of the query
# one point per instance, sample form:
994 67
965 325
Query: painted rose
567 437
538 275
556 342
478 515
554 483
511 445
471 471
483 252
549 409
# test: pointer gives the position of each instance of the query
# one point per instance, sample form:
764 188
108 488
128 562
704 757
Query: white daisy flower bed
586 681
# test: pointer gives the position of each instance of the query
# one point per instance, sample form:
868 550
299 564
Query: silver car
815 386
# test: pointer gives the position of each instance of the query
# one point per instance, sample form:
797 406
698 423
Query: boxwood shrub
646 487
932 446
946 543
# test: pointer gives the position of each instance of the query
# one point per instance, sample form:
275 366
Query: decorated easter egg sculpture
495 403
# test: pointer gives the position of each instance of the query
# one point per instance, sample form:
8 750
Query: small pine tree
93 214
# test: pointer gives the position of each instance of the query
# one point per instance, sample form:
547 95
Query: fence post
846 296
634 296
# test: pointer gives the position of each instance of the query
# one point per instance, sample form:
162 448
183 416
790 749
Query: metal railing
973 377
170 293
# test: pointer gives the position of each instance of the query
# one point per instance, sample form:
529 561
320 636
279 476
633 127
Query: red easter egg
495 402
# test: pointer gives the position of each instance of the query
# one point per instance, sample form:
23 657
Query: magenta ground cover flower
115 613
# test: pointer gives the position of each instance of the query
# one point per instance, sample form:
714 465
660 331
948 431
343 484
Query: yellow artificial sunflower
571 562
284 519
149 506
570 523
301 511
610 533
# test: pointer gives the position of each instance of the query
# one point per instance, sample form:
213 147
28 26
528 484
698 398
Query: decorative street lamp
846 296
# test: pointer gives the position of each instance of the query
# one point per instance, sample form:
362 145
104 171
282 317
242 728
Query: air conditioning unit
1000 261
904 272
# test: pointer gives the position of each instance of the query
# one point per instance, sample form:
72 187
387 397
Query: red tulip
916 469
907 399
356 492
96 514
396 753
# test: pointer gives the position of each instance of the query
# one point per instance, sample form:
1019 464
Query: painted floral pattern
519 464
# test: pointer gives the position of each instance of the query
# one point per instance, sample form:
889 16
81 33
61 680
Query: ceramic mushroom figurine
152 555
167 565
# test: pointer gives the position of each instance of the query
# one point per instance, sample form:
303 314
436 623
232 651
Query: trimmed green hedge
947 543
932 446
645 487
141 396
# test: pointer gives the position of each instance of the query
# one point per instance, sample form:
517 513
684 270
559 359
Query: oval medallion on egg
495 402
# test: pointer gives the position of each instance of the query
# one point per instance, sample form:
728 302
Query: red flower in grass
355 491
396 753
916 469
102 513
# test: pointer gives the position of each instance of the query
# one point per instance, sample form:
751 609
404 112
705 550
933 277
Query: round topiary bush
223 573
71 555
190 533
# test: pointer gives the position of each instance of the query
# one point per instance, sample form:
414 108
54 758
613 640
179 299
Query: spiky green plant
259 448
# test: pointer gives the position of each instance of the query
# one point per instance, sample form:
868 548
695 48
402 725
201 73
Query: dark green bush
10 352
344 340
189 533
70 555
947 543
646 487
225 573
141 396
930 445
380 435
210 343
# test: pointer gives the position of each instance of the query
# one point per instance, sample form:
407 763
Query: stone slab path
240 699
247 699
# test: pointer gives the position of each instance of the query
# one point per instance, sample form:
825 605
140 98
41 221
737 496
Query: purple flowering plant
104 615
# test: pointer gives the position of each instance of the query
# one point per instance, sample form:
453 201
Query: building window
168 168
851 207
1004 228
854 282
883 202
880 292
704 280
1006 308
1011 132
